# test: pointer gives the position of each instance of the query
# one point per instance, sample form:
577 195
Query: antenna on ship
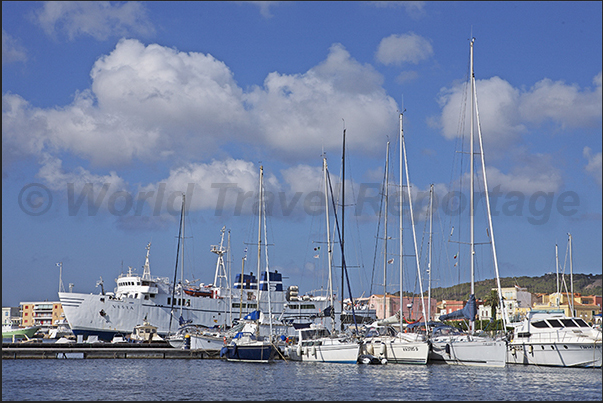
61 287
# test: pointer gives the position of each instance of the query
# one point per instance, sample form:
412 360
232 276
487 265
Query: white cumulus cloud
98 19
594 164
405 48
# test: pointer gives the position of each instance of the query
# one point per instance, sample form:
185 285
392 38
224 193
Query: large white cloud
497 103
153 102
299 114
565 104
507 112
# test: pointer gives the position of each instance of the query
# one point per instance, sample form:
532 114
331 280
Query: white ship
168 305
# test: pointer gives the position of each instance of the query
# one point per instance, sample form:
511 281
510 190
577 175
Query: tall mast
401 201
342 223
260 236
471 201
268 289
182 266
557 271
329 247
429 262
571 273
386 195
505 317
412 224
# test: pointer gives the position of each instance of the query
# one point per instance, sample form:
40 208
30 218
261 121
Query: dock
99 350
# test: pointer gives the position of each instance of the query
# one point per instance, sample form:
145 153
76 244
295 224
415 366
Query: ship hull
105 316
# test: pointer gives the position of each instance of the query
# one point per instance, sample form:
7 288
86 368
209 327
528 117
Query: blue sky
156 98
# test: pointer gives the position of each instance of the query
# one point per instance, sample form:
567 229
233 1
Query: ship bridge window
568 323
307 306
540 324
293 306
581 322
555 323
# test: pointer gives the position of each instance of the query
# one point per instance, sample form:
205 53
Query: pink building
412 308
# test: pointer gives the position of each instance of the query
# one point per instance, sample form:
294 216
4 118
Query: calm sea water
190 379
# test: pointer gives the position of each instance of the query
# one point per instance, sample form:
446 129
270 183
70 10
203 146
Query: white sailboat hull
466 350
398 351
326 350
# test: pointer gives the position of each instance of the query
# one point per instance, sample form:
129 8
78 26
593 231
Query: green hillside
586 284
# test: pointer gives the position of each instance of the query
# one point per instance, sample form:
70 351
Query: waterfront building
584 307
44 314
518 302
412 306
10 314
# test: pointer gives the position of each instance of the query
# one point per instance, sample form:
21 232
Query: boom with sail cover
468 312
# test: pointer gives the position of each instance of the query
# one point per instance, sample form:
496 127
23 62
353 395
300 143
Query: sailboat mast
182 265
329 248
571 272
176 268
267 271
401 202
557 271
260 195
342 223
429 261
471 190
504 312
412 224
386 195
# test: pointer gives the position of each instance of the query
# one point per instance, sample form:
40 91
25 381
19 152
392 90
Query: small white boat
317 344
62 329
145 333
14 331
197 337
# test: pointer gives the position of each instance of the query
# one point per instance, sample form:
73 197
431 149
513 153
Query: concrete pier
99 350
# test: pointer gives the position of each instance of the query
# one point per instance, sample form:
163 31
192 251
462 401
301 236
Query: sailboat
381 339
551 338
249 345
317 343
448 344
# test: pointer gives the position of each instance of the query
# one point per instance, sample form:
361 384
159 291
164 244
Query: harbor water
214 379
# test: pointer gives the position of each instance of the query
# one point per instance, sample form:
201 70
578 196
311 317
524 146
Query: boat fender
314 351
369 349
382 349
448 349
299 351
224 340
531 349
